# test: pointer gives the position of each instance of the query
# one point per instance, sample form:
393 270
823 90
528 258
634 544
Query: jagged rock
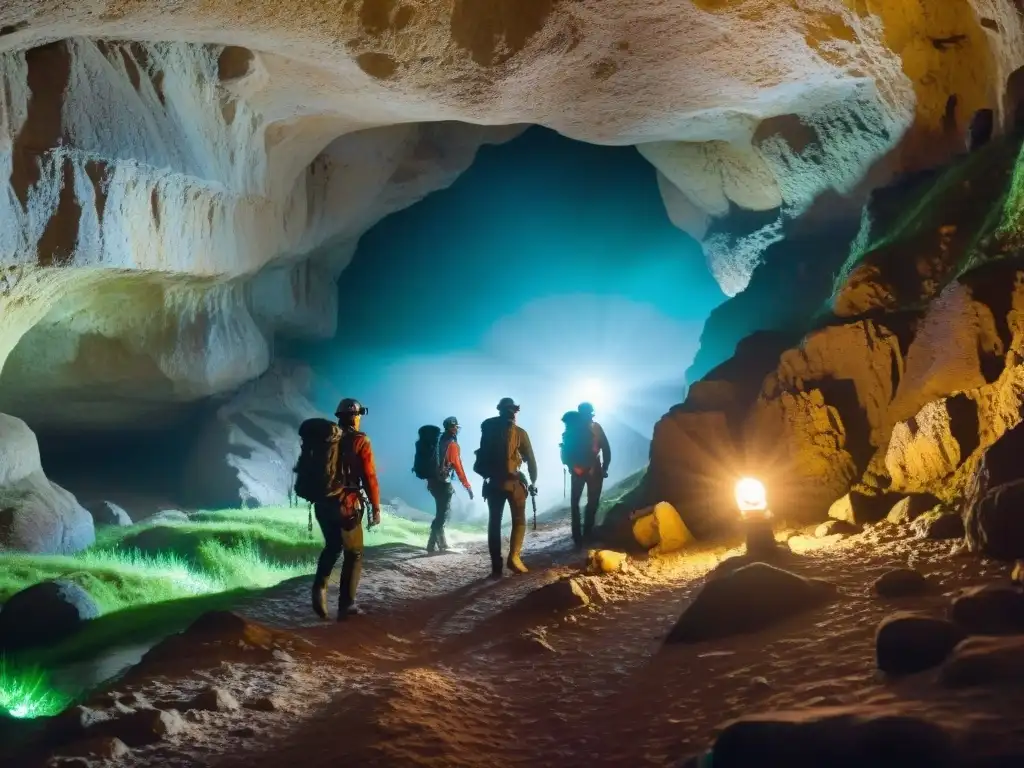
858 735
35 515
45 613
901 582
908 642
863 506
265 704
939 524
245 454
748 599
909 508
144 726
212 639
1017 576
985 661
836 527
605 561
214 700
102 747
563 595
107 513
989 610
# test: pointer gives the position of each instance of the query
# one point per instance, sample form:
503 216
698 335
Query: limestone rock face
245 454
904 400
35 514
184 181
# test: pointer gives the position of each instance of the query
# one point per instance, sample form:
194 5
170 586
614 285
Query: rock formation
911 373
186 180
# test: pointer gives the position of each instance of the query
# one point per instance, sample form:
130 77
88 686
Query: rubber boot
432 542
347 611
320 599
515 546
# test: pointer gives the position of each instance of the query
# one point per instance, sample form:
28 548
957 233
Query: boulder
562 595
909 508
35 515
660 530
107 513
901 582
98 747
938 524
748 599
45 613
606 561
993 496
863 506
907 642
989 610
213 699
985 661
858 735
171 516
994 523
837 527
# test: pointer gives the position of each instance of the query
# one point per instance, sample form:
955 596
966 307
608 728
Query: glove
375 517
470 492
605 472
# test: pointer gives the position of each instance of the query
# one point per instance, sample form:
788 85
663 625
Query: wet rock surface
989 610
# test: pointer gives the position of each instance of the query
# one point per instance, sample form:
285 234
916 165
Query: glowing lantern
751 496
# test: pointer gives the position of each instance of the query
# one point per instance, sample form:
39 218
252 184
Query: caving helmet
507 405
351 407
450 422
586 410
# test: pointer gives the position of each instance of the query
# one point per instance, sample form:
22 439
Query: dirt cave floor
440 673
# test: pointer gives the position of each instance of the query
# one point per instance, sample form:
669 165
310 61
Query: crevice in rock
234 63
964 424
57 244
49 70
841 394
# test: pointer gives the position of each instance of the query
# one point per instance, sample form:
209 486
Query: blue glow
548 267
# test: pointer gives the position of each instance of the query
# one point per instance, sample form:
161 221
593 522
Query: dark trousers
515 495
336 541
442 493
593 481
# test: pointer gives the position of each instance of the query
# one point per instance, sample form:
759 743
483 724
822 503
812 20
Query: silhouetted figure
587 455
347 470
504 446
449 465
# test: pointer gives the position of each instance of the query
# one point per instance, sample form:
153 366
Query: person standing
449 466
504 446
587 455
340 513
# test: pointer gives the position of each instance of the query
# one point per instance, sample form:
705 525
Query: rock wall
35 514
245 454
916 371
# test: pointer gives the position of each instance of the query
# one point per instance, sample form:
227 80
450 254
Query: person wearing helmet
450 461
340 517
504 446
587 456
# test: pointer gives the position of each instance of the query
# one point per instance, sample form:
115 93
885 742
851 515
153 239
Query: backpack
426 463
578 447
498 456
317 468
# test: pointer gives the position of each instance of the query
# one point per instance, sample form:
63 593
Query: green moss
215 551
25 692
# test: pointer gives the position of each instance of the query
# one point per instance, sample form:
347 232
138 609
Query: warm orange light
751 496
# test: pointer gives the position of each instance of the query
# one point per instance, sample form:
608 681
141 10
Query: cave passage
549 272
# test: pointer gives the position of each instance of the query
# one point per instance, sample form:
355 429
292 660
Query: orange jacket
453 459
363 466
